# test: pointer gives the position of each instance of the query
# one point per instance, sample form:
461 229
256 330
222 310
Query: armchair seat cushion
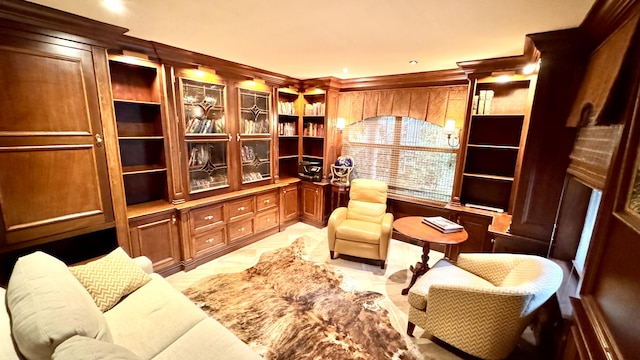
443 272
360 231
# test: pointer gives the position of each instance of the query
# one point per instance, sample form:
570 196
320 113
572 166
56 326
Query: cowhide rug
285 307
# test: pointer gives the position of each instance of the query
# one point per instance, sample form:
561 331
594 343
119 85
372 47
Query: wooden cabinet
289 204
53 168
157 237
315 203
477 226
497 127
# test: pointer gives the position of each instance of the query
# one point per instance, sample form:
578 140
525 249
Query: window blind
412 156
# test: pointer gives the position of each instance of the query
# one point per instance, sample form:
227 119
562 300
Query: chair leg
410 327
331 253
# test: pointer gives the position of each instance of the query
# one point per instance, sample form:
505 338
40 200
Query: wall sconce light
453 138
340 124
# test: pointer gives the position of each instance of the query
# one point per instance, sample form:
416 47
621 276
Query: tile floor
358 275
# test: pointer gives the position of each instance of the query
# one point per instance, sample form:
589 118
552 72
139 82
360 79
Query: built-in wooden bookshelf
314 126
499 114
138 110
288 131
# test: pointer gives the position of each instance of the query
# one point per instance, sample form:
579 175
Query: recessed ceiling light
113 5
413 62
345 70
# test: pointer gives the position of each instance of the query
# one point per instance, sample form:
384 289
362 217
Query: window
412 156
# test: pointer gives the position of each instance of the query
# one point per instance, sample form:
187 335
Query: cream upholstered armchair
483 303
364 227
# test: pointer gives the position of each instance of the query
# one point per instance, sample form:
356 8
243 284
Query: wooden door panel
42 92
290 208
309 202
157 240
53 171
34 193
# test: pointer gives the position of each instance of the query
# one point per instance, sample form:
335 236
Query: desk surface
412 226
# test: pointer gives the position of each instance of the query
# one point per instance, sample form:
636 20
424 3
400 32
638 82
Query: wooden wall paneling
176 182
370 106
548 141
112 148
457 105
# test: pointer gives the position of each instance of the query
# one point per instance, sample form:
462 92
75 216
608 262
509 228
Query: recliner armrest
145 263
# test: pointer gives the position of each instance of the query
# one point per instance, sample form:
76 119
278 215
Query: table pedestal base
420 269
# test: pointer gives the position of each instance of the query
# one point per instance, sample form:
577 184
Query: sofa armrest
7 347
145 263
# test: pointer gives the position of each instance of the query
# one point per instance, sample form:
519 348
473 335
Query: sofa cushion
443 272
110 278
81 347
208 337
40 290
152 318
362 231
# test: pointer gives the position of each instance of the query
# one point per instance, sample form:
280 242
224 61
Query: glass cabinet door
207 165
254 112
256 160
203 107
206 136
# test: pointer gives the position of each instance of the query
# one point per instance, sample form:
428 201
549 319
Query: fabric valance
434 104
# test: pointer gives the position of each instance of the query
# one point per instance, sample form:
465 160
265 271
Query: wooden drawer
204 218
241 207
266 220
240 229
266 201
209 240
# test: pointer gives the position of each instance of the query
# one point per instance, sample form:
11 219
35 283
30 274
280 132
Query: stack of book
442 224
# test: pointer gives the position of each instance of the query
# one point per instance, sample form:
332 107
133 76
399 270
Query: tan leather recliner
364 227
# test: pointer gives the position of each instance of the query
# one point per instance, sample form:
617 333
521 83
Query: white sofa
50 315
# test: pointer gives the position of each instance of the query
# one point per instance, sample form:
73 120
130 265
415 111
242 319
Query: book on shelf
487 102
481 100
441 224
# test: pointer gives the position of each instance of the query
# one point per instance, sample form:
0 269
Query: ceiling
309 39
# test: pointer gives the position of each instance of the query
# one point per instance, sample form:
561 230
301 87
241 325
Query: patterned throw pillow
110 278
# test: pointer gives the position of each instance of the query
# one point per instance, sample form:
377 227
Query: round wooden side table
424 234
339 195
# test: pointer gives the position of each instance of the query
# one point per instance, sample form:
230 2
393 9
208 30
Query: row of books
312 129
255 127
443 225
482 102
286 108
205 126
287 128
315 109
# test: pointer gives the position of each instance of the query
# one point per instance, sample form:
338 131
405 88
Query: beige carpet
286 307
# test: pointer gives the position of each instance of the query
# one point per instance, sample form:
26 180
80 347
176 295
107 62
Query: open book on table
442 224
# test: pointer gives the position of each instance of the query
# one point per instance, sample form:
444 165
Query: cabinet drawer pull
209 240
268 220
241 229
173 219
241 208
267 201
208 217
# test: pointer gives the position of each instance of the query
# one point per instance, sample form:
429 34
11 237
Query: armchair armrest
457 314
337 216
385 234
145 263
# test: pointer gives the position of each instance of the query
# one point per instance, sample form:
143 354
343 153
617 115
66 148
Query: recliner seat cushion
442 272
360 231
48 305
84 348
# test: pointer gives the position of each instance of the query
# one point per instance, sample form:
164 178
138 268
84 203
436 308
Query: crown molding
47 21
426 78
605 16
